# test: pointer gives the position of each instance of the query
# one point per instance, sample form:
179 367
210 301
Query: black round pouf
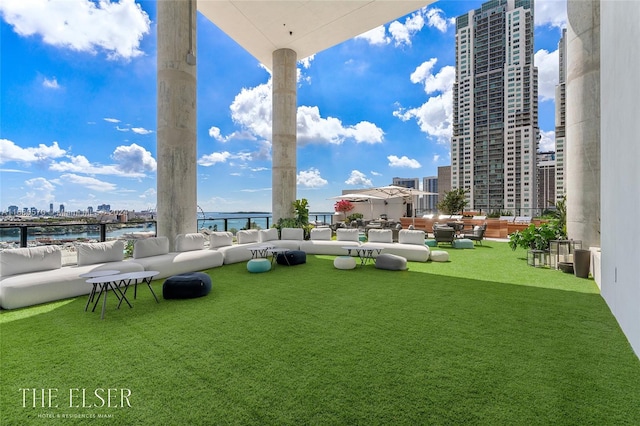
186 286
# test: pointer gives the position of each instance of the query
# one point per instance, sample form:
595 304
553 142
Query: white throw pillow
247 236
220 239
24 260
190 242
321 234
406 236
347 234
150 247
92 253
292 234
380 236
270 234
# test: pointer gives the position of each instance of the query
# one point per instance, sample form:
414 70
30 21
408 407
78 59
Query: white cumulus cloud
141 130
130 161
51 83
547 141
39 191
112 120
311 178
404 161
213 158
134 159
552 13
251 109
548 68
377 36
401 33
87 182
82 25
359 179
435 116
9 151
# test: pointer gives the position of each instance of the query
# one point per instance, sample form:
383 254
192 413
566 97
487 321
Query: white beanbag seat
439 256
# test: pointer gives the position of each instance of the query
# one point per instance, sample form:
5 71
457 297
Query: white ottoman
344 262
439 256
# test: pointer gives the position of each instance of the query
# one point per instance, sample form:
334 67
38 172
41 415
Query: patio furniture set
30 276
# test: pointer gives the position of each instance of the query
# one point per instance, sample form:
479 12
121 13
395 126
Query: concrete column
583 122
176 133
283 139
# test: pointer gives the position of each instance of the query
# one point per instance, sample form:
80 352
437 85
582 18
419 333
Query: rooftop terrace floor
482 339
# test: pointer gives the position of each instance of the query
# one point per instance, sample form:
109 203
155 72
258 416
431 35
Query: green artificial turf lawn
482 339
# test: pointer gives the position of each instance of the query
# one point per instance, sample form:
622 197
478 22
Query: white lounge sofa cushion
406 236
270 234
181 262
321 242
290 238
92 253
150 247
380 236
321 234
220 239
331 247
247 236
25 260
189 242
343 234
296 234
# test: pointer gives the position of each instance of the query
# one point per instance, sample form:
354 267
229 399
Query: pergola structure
277 33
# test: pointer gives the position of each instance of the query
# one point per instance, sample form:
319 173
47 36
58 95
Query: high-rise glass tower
495 108
561 102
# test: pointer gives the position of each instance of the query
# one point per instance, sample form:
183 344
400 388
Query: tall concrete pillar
176 133
583 122
283 139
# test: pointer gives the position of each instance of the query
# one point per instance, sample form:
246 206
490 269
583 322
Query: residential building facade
561 107
495 107
546 180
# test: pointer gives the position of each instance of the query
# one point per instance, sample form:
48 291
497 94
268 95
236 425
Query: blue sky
78 106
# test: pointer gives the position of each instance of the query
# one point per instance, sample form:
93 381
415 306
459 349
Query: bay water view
212 221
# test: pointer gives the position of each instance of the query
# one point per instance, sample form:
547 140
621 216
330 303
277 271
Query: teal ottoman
258 265
431 243
462 243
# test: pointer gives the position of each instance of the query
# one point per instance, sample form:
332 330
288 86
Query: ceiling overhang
305 26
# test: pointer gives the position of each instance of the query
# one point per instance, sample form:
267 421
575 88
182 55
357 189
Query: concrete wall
620 159
582 143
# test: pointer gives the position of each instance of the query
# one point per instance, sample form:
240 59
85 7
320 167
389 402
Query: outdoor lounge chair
475 234
444 234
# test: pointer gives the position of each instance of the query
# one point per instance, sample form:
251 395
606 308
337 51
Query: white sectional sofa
410 243
190 255
29 276
290 238
321 242
222 242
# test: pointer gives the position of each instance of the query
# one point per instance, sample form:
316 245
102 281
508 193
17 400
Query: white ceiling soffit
306 26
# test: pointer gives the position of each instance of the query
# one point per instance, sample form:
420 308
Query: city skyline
74 131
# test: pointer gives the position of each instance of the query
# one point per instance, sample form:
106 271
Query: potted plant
536 237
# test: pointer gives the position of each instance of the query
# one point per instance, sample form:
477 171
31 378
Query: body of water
209 220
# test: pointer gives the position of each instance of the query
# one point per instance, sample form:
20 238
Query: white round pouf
344 262
439 256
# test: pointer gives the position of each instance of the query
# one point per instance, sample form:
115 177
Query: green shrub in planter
536 237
